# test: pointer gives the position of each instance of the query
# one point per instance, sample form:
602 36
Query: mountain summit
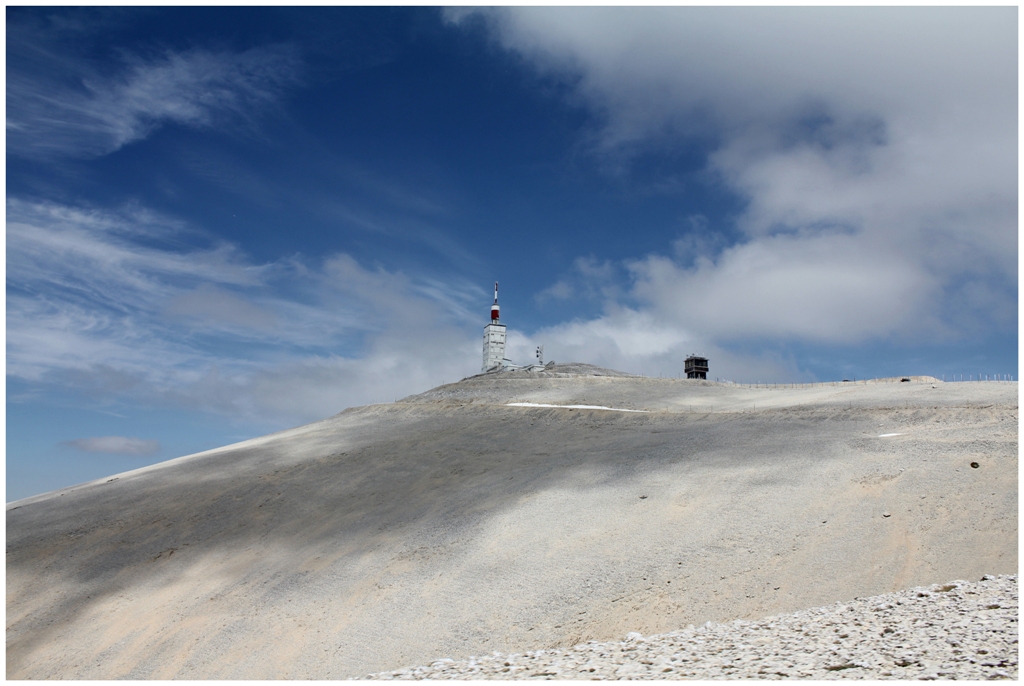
511 511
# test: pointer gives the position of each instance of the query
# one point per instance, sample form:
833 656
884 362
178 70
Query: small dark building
696 367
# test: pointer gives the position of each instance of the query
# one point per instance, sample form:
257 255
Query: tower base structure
494 346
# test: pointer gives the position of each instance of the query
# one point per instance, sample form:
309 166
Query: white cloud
824 288
624 340
875 149
77 281
399 362
85 113
115 445
650 68
589 278
642 342
110 305
211 305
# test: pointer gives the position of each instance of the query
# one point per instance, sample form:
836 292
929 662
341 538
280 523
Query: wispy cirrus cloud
115 445
134 306
58 106
78 279
211 305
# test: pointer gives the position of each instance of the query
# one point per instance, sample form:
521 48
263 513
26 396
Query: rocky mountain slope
959 630
452 524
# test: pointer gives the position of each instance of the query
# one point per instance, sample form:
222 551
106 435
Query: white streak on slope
574 407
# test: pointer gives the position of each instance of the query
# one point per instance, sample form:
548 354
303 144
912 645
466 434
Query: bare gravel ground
450 524
959 630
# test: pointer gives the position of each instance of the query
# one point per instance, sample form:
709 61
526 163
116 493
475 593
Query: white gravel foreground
960 630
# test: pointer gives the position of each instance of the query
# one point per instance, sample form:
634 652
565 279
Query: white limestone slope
452 524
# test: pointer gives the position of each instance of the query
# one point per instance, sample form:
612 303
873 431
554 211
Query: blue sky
223 222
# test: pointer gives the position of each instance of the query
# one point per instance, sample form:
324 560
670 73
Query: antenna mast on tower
495 310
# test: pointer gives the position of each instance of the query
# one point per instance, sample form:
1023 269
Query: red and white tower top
494 308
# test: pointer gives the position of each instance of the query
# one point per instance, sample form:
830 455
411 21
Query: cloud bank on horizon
264 230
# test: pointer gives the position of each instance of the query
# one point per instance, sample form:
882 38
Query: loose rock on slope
959 630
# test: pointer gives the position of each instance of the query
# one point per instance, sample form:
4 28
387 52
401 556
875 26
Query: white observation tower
494 337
